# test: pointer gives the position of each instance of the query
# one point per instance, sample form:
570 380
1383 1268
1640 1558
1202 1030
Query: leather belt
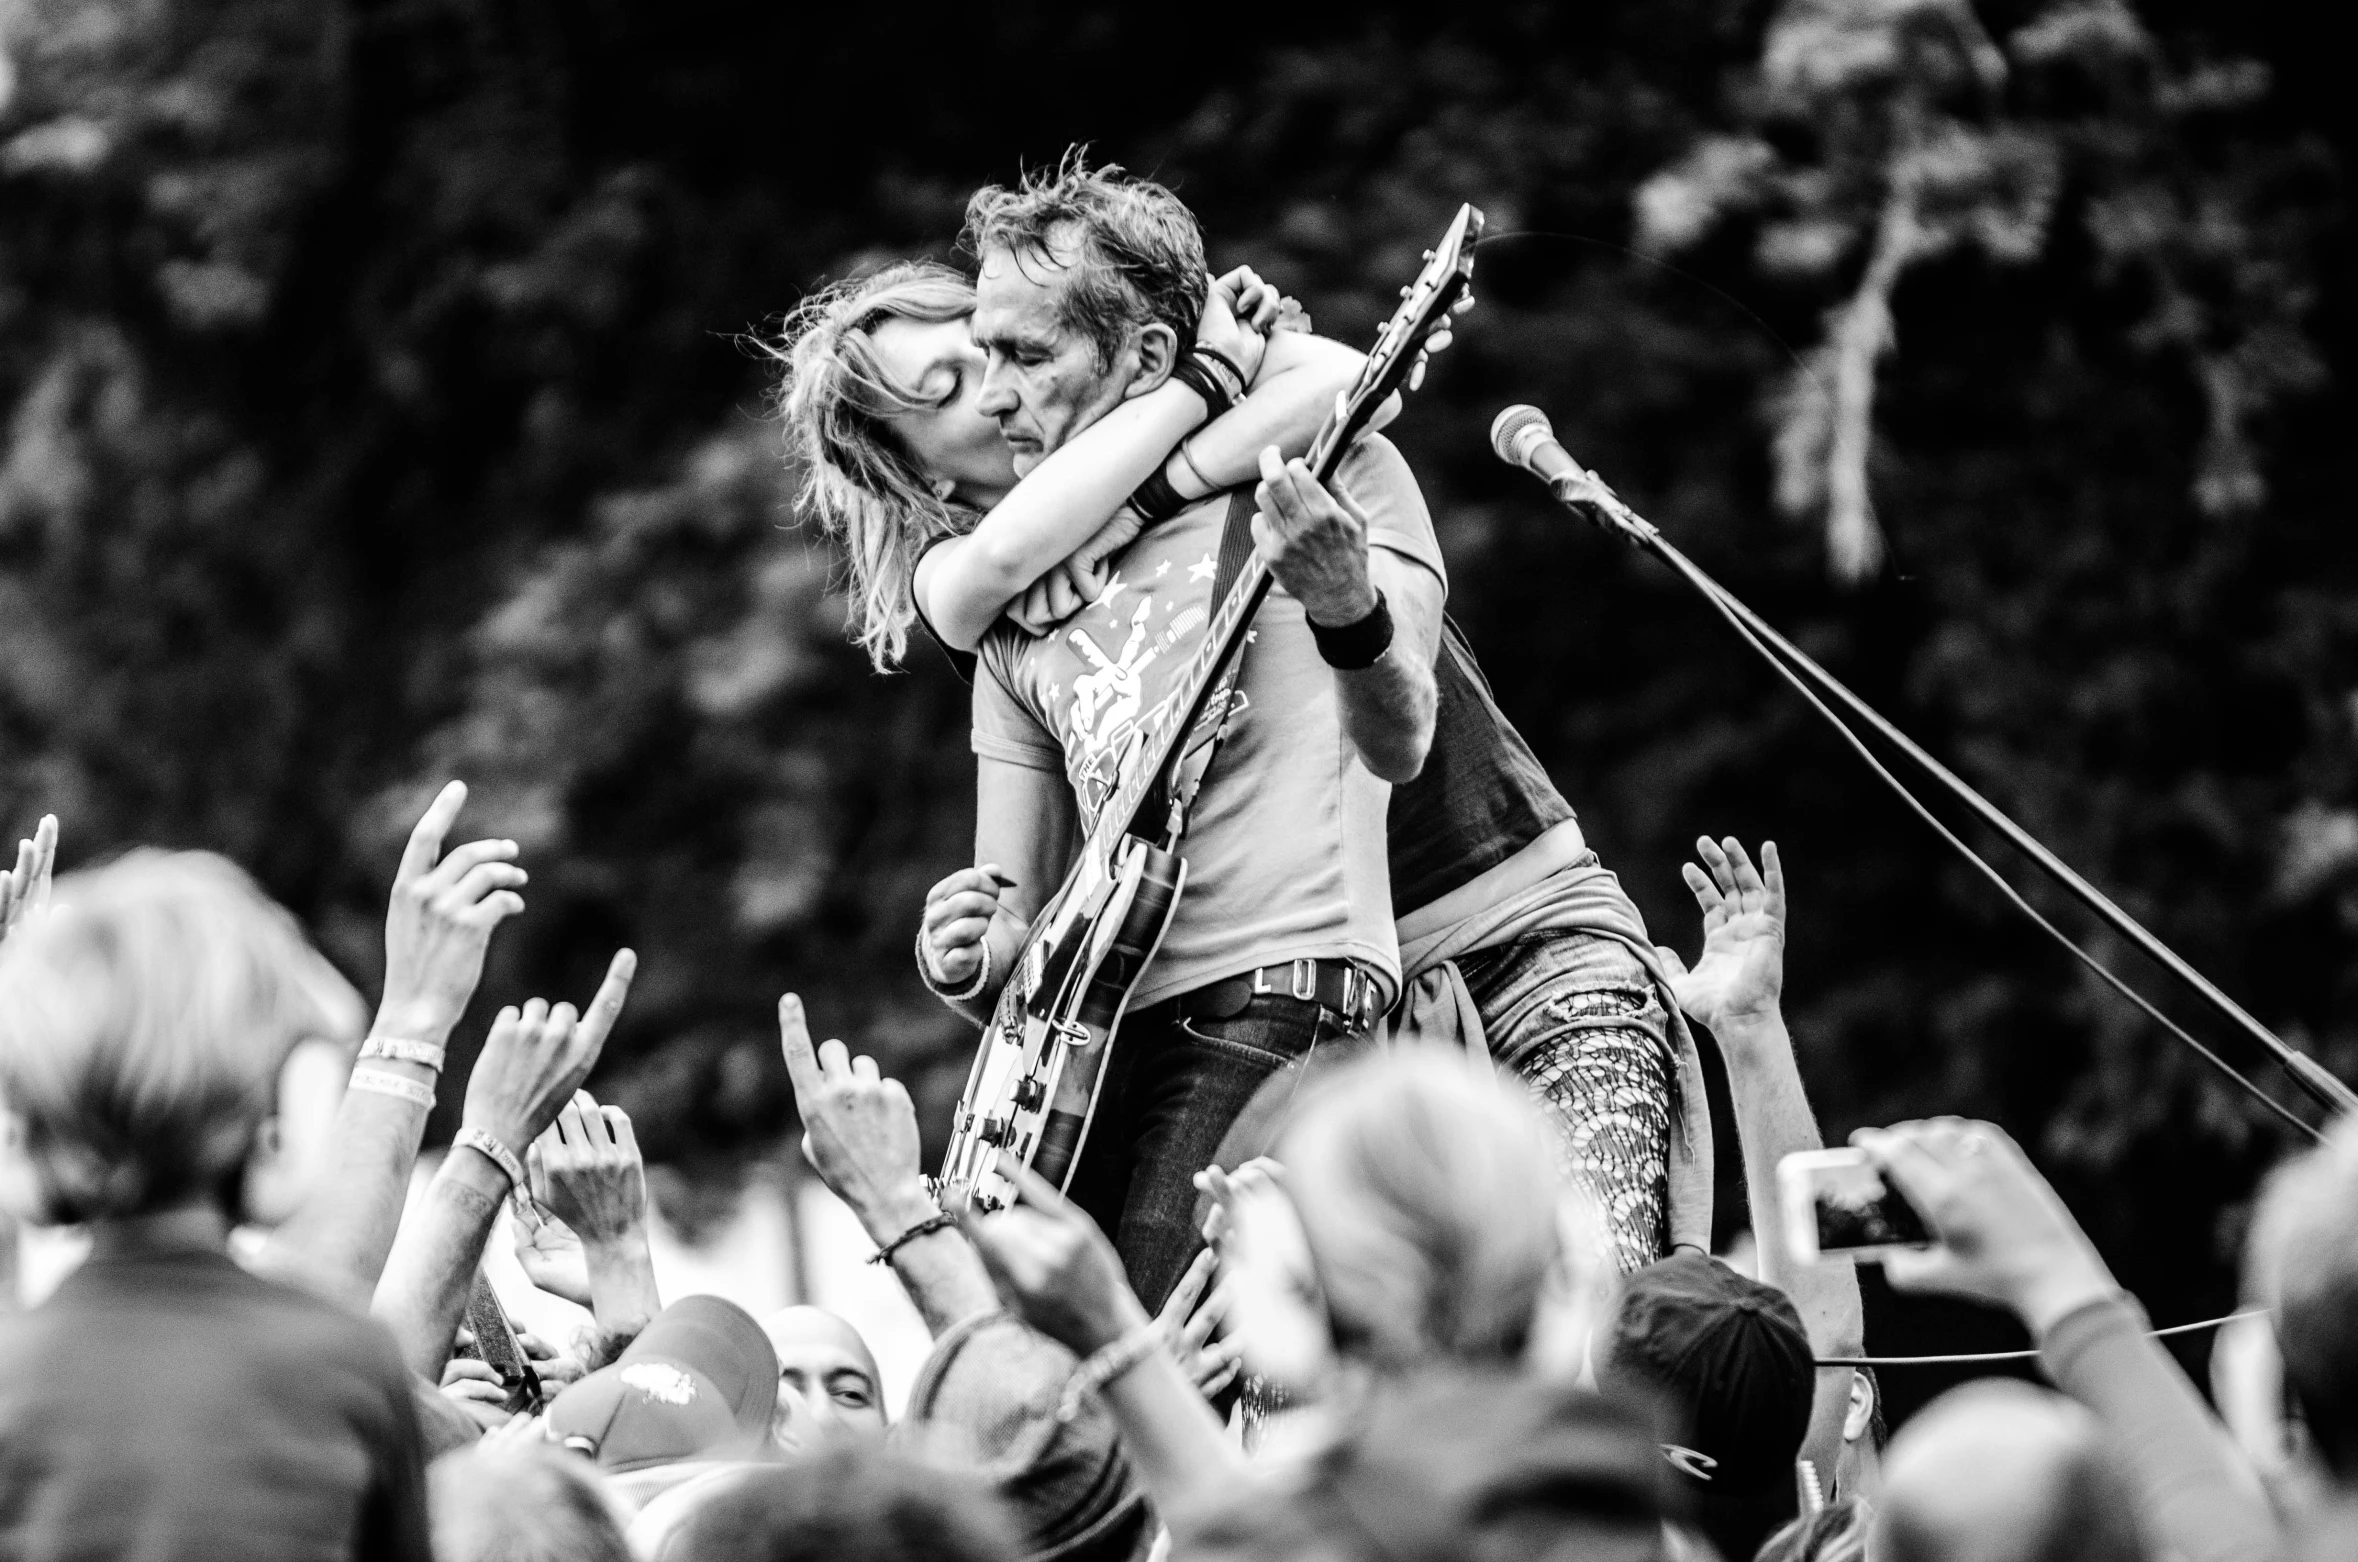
1342 986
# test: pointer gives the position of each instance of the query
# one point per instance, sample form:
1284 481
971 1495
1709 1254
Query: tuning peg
1439 340
1404 292
1428 254
1462 305
1416 375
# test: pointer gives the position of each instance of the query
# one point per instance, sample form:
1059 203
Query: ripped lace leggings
1576 1018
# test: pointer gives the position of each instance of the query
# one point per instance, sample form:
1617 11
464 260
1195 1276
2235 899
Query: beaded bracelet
377 1082
497 1153
395 1049
1199 376
924 1228
1223 368
1108 1364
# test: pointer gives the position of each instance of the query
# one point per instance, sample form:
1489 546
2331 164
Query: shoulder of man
1373 464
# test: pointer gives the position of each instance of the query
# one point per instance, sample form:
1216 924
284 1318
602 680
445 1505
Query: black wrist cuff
1350 647
1200 377
1155 500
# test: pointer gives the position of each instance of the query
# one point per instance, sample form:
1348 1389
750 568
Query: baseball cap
700 1382
1732 1365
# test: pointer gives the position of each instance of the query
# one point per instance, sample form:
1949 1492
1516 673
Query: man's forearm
623 1297
1773 1120
1388 712
942 1273
432 1266
338 1238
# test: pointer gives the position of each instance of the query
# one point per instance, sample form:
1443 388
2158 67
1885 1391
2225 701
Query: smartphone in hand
1837 1206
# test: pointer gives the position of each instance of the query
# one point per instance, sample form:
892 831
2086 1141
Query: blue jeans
1172 1088
1576 1017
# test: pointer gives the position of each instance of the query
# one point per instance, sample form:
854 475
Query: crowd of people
270 1359
1391 1241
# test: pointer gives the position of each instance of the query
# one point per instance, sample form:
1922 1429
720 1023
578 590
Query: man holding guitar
1283 936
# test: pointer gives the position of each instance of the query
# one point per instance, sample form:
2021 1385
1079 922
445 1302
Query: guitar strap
1187 776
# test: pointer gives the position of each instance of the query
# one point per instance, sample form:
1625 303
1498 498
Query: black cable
2306 1072
1719 598
2017 1355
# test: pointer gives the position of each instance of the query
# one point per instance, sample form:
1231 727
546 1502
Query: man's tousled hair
1135 251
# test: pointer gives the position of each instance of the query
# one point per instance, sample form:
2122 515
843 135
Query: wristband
924 1228
1109 1364
377 1082
396 1050
982 975
1223 368
492 1150
1199 376
1156 500
1351 647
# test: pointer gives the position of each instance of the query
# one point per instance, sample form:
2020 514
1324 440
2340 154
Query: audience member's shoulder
298 1320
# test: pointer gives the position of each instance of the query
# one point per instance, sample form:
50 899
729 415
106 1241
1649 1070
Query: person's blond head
143 1027
2303 1265
857 479
1433 1204
523 1502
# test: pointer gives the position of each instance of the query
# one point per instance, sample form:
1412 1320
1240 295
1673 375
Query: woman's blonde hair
1433 1204
143 1027
858 481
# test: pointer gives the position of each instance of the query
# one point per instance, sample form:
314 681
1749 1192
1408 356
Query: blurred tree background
377 410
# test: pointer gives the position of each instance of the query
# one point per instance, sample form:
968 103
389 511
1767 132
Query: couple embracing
1035 469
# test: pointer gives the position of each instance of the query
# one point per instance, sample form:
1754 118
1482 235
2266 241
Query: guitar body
1036 1076
1041 1063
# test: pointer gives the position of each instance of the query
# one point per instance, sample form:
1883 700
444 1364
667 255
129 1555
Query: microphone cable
1605 508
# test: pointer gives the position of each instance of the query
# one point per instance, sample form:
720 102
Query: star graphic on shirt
1252 637
1106 598
1055 691
1162 569
1201 569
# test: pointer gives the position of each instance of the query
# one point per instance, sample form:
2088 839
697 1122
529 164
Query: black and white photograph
1064 782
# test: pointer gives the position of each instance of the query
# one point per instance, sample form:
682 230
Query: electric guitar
1034 1084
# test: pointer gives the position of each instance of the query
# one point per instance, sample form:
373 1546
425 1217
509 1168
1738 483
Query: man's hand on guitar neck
1315 544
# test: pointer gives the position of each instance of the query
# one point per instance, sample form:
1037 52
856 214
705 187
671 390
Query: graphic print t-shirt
1286 852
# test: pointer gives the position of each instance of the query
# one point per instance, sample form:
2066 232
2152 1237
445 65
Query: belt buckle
1305 979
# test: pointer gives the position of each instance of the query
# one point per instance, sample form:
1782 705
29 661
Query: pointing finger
425 839
794 1039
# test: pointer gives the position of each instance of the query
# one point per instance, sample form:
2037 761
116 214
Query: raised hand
587 1172
2005 1237
1740 975
537 1056
1211 1365
859 1129
958 913
24 889
1052 1266
550 1254
1232 322
440 921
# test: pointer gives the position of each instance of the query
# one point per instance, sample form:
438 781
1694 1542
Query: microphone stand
1588 496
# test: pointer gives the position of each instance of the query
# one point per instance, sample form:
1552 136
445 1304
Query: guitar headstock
1419 328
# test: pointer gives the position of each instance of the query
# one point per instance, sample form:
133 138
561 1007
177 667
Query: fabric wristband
377 1082
982 976
1156 500
1351 647
1108 1364
1200 377
499 1154
1223 368
395 1049
924 1228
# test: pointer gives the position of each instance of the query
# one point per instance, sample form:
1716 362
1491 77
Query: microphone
1522 436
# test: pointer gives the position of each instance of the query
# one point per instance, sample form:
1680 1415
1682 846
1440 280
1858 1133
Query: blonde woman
943 522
